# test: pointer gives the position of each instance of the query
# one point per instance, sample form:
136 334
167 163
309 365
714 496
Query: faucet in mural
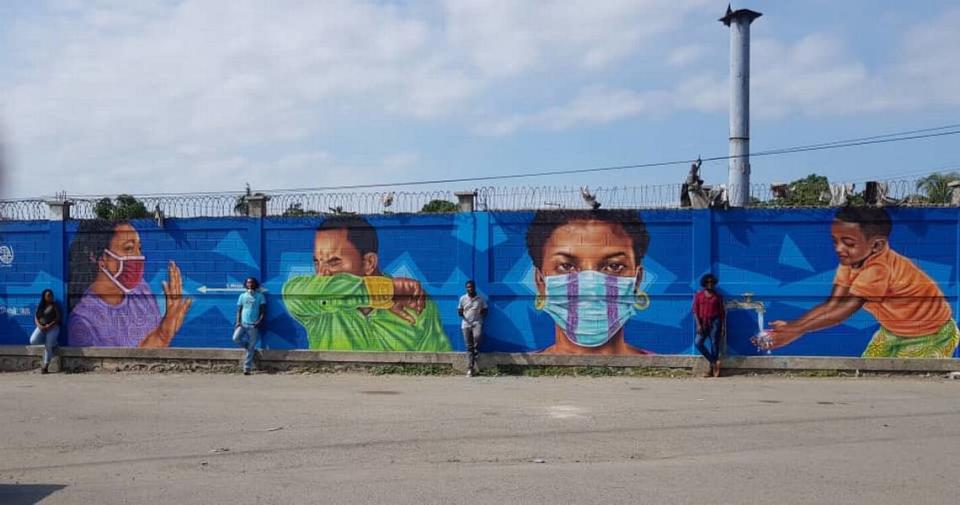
747 303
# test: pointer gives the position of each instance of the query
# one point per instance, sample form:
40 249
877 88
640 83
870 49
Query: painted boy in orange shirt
915 318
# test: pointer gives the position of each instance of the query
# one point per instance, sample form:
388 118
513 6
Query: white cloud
816 75
812 76
594 105
684 56
819 76
507 37
124 89
204 94
926 67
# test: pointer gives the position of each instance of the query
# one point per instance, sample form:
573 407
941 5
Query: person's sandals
716 369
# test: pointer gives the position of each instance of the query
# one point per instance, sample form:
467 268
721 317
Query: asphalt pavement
351 438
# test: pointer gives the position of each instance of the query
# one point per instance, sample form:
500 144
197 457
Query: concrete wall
785 258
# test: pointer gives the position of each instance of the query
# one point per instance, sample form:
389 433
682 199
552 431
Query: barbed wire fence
904 192
23 210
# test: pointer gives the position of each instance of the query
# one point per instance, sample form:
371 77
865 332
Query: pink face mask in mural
130 272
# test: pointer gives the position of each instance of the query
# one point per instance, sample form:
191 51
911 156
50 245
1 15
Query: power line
887 135
841 144
894 175
880 139
924 133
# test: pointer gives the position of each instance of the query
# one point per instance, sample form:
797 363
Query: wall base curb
20 358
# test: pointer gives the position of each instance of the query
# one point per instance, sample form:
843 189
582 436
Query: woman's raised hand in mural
407 294
177 307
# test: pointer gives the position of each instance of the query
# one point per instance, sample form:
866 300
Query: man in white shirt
472 310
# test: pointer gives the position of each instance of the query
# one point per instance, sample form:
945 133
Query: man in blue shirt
251 307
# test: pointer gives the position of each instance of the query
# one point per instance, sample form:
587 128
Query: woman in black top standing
47 319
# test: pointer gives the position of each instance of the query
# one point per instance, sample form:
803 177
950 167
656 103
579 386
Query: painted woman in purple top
112 306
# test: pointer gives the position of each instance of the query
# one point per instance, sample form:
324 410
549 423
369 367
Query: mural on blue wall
348 304
588 274
588 282
915 319
568 282
110 303
24 275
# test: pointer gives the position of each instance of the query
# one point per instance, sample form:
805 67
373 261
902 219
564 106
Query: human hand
407 293
177 305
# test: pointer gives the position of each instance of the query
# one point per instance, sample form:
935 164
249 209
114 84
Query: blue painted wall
783 257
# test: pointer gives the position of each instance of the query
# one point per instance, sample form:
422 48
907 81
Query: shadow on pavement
26 494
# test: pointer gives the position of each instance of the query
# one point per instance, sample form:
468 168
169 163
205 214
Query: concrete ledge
15 358
305 356
126 352
642 361
841 363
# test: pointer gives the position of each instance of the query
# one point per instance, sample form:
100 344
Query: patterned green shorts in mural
941 344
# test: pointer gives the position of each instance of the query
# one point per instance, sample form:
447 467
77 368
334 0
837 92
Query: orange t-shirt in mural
904 299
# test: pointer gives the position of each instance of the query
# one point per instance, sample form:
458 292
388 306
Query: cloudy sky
109 96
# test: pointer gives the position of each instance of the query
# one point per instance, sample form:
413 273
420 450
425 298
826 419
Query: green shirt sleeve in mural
338 313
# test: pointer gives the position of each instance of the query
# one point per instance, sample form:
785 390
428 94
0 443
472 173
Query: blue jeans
48 339
246 336
714 330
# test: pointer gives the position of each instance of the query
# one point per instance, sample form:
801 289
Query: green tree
104 208
440 206
805 192
124 207
934 187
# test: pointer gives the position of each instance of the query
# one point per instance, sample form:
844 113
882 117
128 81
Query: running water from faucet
762 340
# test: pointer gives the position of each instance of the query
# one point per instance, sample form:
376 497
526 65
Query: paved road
186 439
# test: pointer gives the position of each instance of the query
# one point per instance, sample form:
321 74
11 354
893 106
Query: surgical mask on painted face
129 274
589 306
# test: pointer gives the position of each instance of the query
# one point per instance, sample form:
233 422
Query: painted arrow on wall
229 289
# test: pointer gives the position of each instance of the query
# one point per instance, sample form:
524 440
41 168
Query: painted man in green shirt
349 305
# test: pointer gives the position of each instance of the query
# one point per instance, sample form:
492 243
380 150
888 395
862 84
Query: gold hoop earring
539 302
642 302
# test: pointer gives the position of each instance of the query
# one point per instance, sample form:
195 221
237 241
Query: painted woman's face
588 280
48 296
590 245
125 242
